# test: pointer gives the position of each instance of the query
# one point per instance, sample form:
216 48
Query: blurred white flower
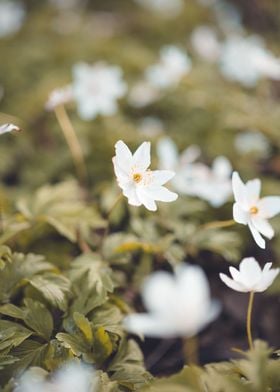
194 178
173 65
252 142
249 209
12 15
8 128
246 60
65 4
96 89
205 42
139 184
165 8
59 96
178 305
143 94
250 276
70 378
151 126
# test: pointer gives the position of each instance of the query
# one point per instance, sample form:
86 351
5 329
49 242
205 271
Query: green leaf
74 342
38 318
84 325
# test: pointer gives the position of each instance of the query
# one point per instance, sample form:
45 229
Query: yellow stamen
254 210
137 177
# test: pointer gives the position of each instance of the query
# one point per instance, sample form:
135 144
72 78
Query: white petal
256 235
263 226
148 325
221 167
142 156
123 156
269 206
235 274
167 153
130 192
160 177
232 283
8 128
253 188
267 267
267 280
239 188
158 292
160 193
250 272
146 200
240 215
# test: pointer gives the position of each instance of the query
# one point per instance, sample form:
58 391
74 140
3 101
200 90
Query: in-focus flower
71 378
250 277
8 128
12 14
165 8
194 178
173 65
246 60
205 42
249 209
178 305
96 89
139 184
59 96
252 142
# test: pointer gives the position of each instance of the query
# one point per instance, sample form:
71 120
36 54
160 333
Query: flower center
254 210
137 177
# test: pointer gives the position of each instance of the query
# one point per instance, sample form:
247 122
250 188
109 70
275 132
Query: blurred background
201 72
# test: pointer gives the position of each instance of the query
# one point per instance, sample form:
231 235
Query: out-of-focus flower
96 89
65 4
12 14
249 209
250 276
178 305
194 178
151 126
252 142
205 42
143 94
70 378
246 60
173 65
139 184
59 96
165 8
8 128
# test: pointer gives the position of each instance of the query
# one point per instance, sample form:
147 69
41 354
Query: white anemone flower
250 277
71 378
59 96
249 209
205 42
246 60
165 8
139 184
12 14
194 178
5 128
143 94
96 89
252 142
173 65
177 305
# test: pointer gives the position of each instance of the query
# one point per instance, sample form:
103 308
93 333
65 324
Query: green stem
190 347
249 320
218 224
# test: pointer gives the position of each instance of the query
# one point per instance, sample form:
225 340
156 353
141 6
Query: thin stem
72 141
249 320
116 202
190 347
218 224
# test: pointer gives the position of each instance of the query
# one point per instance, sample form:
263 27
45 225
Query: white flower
194 178
246 60
143 94
166 8
252 142
151 126
71 378
250 276
12 14
8 128
250 210
59 96
173 65
205 42
97 88
139 184
178 305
